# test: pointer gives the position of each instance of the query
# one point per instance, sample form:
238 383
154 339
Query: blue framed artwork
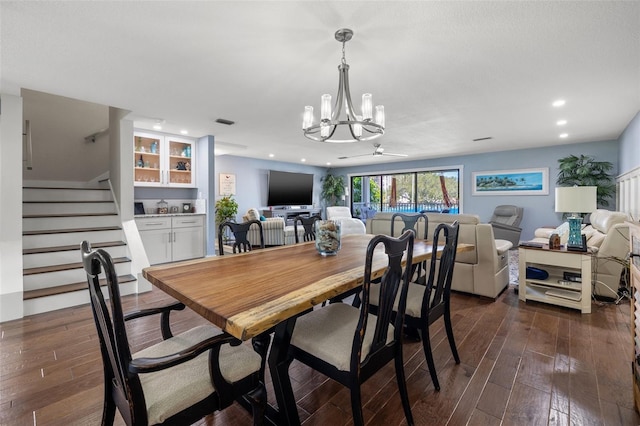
511 182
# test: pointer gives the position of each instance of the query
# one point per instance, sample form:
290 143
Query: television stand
290 214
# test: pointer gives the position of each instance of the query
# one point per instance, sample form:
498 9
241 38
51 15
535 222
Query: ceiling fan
377 152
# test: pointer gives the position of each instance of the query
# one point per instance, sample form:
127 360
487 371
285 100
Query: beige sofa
483 271
608 238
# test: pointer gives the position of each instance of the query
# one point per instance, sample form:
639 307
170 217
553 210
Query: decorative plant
226 209
586 171
332 189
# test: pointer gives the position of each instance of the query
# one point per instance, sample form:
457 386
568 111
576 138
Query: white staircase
55 221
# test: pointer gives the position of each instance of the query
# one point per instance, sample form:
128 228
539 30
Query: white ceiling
447 72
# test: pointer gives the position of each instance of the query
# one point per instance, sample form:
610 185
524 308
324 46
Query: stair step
65 267
81 188
67 288
44 216
66 231
72 247
65 201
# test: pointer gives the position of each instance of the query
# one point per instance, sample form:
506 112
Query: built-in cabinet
172 238
163 160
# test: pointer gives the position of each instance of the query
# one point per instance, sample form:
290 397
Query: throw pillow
253 214
262 218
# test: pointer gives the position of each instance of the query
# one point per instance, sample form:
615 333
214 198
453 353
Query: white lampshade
576 199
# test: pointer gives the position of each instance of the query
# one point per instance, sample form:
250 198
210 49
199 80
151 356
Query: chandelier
334 126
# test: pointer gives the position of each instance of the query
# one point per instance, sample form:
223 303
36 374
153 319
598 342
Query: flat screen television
290 189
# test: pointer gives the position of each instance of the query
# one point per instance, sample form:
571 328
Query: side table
576 295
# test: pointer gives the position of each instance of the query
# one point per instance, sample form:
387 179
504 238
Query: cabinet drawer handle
153 223
187 221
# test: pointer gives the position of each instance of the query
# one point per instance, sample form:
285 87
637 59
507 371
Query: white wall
11 212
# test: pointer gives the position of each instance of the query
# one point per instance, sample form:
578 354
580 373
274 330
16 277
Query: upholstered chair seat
170 391
327 334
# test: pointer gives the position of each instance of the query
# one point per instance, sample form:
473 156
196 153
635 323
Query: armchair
348 224
273 229
505 223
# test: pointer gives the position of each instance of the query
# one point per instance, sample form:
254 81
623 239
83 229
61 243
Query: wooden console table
576 295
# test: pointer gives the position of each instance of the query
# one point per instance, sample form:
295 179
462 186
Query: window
420 191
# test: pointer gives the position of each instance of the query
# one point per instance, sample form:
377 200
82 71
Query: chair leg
452 340
402 386
356 405
426 345
258 399
108 409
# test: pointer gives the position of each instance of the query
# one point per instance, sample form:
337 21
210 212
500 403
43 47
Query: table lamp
575 200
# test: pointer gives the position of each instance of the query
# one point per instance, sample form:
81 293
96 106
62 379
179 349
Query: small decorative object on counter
175 209
554 242
163 207
186 207
327 237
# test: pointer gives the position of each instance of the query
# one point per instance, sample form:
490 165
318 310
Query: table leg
279 366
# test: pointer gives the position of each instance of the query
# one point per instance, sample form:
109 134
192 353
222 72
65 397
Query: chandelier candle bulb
325 107
357 128
380 115
367 107
308 117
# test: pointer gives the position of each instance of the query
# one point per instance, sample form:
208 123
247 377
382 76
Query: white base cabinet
172 238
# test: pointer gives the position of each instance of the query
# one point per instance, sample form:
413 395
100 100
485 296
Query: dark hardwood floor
522 364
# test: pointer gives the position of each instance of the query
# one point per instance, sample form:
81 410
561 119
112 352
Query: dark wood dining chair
426 303
177 381
349 344
410 221
241 242
308 224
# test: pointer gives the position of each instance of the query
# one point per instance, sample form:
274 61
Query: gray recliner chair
505 222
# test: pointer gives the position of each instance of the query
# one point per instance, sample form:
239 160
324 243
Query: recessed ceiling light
328 164
559 103
271 155
157 127
564 135
184 132
303 160
561 122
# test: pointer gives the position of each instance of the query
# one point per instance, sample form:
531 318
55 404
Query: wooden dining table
250 294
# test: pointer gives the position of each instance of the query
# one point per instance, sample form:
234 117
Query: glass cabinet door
147 160
180 165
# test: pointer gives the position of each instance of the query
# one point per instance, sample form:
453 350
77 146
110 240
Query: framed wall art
511 182
227 184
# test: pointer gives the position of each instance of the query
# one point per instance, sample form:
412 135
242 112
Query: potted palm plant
332 189
586 171
226 209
